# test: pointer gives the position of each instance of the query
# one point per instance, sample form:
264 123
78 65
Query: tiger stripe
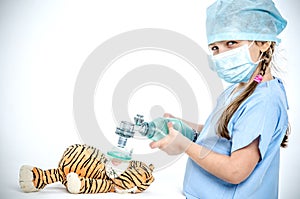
38 178
89 185
81 163
42 178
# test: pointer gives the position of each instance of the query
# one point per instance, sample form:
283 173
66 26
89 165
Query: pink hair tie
258 78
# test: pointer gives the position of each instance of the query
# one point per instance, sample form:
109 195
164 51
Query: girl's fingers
154 145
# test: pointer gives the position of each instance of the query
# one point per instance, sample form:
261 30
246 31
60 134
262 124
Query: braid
267 57
233 106
285 138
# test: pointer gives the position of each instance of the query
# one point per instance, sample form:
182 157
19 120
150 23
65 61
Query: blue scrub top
263 115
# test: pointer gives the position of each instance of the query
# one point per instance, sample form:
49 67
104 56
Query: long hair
233 106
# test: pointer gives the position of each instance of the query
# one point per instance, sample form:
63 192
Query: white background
43 45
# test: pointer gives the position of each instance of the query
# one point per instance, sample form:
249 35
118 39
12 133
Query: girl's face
223 46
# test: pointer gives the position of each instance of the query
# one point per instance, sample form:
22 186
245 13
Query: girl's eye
231 43
214 48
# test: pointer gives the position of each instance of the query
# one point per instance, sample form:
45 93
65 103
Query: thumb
170 127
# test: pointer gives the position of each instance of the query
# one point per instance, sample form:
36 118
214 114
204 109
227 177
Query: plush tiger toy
82 170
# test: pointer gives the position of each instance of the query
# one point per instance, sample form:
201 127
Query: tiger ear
151 167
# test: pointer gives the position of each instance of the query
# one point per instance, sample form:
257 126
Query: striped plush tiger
82 170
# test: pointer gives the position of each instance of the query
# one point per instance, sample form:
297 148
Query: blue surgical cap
257 20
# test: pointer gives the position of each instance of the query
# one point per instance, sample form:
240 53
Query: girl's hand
174 143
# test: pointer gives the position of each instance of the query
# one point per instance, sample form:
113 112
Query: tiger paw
26 179
73 183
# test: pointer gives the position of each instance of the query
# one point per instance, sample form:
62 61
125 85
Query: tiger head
135 179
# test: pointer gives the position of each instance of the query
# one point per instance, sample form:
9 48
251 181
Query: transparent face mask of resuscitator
234 66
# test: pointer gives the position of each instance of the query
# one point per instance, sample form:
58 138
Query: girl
237 152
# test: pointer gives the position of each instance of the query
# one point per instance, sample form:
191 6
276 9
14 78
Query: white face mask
234 66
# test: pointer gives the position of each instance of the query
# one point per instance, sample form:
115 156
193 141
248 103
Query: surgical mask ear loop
260 56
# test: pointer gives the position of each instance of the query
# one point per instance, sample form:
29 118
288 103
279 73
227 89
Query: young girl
237 152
